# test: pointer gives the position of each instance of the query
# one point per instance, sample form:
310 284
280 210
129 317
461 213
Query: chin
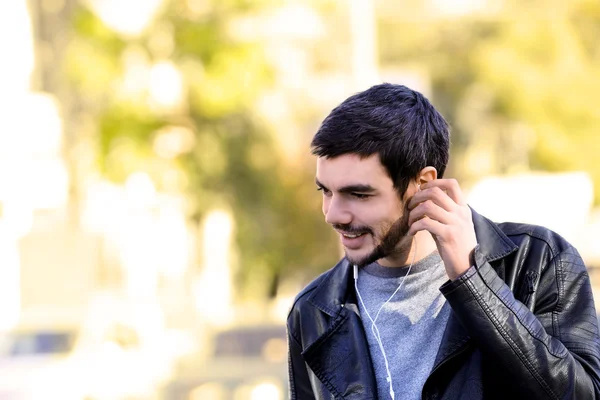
358 257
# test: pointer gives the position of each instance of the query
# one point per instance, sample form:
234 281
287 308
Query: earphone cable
374 328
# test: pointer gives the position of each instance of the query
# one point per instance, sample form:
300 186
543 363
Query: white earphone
374 328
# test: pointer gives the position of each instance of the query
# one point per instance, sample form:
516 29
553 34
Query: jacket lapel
339 357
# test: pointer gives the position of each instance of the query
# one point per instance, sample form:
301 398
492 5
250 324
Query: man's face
362 205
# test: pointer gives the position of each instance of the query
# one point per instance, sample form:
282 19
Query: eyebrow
356 188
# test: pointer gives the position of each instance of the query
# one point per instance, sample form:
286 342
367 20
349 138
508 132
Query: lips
352 241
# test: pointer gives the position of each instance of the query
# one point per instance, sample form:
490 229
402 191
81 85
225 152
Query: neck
421 245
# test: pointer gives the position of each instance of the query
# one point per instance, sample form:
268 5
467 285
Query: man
431 300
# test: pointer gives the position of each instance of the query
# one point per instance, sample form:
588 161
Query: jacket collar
493 243
335 289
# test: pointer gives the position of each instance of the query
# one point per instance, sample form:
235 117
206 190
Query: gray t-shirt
411 324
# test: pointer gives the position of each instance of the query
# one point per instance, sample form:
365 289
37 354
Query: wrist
460 268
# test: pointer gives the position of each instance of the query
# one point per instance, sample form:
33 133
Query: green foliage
520 92
234 163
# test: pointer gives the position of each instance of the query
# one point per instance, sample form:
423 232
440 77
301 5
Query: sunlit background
157 210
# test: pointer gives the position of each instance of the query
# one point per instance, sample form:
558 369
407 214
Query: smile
352 235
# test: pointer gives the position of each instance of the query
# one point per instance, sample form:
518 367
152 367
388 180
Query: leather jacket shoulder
523 325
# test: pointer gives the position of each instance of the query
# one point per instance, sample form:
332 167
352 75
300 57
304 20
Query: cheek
382 217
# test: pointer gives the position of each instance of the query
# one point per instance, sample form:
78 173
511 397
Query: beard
395 240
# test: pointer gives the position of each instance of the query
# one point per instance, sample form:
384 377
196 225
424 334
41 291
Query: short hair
393 121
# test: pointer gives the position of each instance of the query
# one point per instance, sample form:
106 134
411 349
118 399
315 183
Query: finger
435 194
450 186
431 210
434 227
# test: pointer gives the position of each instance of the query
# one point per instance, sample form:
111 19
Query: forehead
351 169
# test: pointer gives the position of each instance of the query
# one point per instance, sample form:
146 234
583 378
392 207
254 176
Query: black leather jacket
523 326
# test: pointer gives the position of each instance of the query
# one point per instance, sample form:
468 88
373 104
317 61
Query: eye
360 196
326 192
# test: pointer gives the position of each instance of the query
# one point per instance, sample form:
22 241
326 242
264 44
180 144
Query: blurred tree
178 101
521 93
175 101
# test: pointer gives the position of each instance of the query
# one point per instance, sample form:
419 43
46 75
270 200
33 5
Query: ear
425 175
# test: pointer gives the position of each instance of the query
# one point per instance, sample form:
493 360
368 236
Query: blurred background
157 206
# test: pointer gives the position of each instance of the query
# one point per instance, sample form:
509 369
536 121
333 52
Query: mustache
347 228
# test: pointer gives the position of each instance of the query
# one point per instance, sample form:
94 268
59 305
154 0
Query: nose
335 212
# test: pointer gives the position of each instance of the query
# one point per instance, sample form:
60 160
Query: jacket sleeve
299 382
554 353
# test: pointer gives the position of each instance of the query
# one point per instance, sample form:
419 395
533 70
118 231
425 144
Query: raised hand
440 208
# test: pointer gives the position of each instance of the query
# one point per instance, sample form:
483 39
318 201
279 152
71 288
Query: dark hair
393 121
